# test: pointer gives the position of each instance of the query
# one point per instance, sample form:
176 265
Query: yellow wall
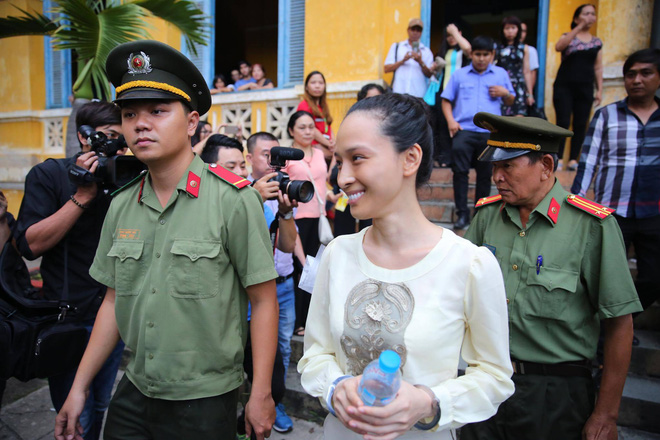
22 64
358 37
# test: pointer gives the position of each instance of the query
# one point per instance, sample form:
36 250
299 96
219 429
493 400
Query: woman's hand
597 98
346 400
530 100
389 422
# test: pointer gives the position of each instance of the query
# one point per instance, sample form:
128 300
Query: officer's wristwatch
287 216
435 406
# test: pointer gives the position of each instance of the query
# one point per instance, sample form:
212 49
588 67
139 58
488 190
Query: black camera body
301 190
112 171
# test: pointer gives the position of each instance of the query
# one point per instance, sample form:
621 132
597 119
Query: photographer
52 207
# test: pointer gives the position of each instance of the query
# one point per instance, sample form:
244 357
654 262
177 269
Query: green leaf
28 24
185 15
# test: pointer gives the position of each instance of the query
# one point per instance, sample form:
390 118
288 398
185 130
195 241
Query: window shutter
58 70
205 58
291 50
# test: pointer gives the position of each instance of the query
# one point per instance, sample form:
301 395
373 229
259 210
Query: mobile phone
415 46
231 129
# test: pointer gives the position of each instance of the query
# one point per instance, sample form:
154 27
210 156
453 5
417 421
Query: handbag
432 90
38 337
325 231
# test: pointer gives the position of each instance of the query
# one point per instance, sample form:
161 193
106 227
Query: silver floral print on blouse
376 315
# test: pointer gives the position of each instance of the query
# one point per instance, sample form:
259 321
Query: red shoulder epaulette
229 177
487 201
588 206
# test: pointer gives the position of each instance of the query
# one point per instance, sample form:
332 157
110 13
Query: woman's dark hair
294 117
482 42
214 143
577 13
511 19
365 89
322 110
195 138
219 76
444 46
405 120
650 56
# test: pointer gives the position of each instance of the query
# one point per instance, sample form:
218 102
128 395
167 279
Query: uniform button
151 324
507 300
151 355
521 233
515 267
194 256
157 254
153 290
122 254
162 221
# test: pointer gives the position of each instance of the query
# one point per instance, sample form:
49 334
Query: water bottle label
367 398
386 401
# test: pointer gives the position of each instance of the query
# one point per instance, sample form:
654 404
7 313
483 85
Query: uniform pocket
129 267
194 273
550 292
466 90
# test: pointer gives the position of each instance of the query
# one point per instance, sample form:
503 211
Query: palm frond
28 24
93 35
185 15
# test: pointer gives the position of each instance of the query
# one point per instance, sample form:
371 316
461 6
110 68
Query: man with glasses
410 61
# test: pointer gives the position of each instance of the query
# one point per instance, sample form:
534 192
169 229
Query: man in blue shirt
479 87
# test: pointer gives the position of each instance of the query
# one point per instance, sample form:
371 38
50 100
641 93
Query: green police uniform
563 272
179 273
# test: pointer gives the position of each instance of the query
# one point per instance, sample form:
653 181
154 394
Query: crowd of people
246 77
196 264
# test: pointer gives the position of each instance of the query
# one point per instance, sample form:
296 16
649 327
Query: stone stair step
300 404
626 433
640 404
645 359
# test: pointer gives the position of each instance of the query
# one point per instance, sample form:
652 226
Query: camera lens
301 190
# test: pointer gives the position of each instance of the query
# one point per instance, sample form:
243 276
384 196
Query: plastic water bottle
381 380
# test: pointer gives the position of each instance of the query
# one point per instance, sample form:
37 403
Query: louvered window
58 70
291 44
205 58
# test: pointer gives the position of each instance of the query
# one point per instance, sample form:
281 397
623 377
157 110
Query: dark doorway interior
246 30
481 17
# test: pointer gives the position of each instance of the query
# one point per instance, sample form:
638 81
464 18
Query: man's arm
454 126
103 340
260 409
45 234
287 237
618 348
390 64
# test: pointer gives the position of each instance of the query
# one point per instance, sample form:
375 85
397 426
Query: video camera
112 171
301 190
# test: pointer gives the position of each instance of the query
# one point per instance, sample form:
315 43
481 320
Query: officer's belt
280 280
578 368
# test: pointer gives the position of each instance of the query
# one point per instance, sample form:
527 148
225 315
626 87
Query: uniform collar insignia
553 210
139 63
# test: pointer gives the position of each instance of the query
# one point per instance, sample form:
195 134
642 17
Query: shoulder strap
586 205
234 180
487 201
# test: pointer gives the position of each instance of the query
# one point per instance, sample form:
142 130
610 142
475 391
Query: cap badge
139 63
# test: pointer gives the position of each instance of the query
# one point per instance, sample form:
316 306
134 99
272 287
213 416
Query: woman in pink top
315 102
301 129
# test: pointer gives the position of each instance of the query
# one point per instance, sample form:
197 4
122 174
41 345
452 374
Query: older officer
565 270
181 251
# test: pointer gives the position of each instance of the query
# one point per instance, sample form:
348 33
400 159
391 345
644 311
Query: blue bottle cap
389 361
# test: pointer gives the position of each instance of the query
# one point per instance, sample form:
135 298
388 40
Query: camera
301 190
112 171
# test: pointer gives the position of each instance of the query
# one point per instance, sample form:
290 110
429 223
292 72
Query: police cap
148 69
512 136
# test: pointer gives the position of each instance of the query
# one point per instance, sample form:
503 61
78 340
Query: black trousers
441 139
466 148
573 99
542 408
308 230
644 234
134 416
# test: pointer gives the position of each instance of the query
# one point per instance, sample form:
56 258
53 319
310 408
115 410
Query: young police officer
565 270
180 248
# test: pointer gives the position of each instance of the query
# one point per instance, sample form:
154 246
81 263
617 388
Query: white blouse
450 304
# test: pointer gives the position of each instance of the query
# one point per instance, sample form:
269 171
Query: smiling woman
396 266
